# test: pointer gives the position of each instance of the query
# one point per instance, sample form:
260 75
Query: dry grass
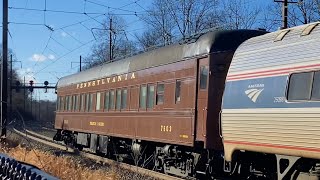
62 167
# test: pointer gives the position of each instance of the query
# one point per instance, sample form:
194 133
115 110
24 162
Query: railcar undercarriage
188 162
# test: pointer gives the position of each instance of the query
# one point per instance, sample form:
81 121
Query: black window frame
124 98
150 97
203 83
98 101
177 91
58 104
118 99
310 98
82 106
105 102
77 103
143 86
112 104
160 94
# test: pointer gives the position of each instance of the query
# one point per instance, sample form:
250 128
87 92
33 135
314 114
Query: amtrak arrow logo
254 93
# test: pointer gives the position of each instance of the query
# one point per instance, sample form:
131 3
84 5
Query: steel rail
48 141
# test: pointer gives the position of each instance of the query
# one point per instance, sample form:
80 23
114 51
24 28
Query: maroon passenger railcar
162 105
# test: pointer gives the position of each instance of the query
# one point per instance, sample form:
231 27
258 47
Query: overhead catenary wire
82 23
67 12
44 49
60 43
74 38
125 10
54 61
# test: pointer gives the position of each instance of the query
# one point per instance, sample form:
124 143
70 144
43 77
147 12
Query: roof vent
281 35
309 29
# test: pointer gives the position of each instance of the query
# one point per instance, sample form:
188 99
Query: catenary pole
24 94
4 70
10 90
80 63
110 40
285 14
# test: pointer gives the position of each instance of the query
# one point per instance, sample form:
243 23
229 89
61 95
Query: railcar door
202 99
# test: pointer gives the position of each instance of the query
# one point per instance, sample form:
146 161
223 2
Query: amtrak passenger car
271 103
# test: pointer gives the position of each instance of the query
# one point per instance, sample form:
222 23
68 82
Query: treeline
167 21
30 108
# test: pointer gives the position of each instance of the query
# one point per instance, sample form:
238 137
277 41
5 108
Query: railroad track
48 141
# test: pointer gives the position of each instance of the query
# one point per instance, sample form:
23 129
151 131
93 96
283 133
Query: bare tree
149 39
169 20
240 14
158 21
190 16
302 12
107 49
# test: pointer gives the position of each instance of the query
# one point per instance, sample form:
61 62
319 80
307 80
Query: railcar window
98 101
316 86
118 100
91 102
65 104
62 103
106 101
76 108
150 98
73 103
143 96
68 103
58 104
178 91
124 98
87 102
111 101
160 94
300 85
203 77
82 102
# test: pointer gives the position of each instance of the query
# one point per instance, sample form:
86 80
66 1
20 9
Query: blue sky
46 54
44 59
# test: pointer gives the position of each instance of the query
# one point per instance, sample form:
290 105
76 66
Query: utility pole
285 12
10 92
80 63
4 70
47 116
31 105
39 110
11 82
24 94
110 40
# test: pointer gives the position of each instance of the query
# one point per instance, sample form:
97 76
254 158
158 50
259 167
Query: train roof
297 46
214 41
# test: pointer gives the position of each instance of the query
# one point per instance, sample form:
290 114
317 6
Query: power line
74 38
45 47
53 51
67 12
80 22
95 20
47 42
64 55
129 4
125 10
60 44
27 23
